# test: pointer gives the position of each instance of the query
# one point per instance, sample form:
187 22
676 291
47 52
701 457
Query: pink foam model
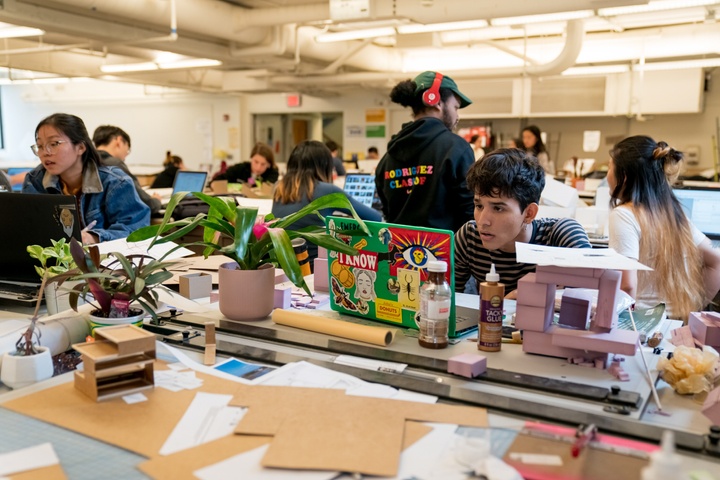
467 364
711 407
537 319
322 253
569 277
617 371
541 343
320 275
575 309
705 327
282 297
616 341
606 316
535 294
682 336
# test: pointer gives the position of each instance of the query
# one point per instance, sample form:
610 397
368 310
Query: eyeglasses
49 148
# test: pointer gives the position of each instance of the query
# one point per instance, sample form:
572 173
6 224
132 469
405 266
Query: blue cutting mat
81 457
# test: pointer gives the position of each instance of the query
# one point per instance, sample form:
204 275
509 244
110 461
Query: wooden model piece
209 343
119 362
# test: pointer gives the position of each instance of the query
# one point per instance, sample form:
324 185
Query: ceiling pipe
277 45
566 59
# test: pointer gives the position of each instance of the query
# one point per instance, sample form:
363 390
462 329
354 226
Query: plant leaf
285 256
334 200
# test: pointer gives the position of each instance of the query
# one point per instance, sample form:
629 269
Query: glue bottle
492 293
665 464
435 296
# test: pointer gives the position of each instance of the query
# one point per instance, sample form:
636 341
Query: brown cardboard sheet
53 472
141 427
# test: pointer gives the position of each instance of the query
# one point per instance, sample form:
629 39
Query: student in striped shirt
507 184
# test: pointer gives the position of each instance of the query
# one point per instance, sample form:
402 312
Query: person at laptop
337 161
648 224
166 178
260 168
421 178
108 203
309 177
113 145
507 184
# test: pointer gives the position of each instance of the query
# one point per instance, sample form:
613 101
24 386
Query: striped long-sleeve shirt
471 258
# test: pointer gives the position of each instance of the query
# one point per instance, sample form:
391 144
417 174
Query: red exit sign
294 100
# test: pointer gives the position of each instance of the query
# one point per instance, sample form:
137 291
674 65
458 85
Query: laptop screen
186 181
361 187
702 206
32 219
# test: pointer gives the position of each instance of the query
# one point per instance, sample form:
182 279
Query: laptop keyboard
18 292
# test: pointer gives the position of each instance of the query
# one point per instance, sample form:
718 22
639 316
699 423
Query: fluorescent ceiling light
128 67
51 80
442 27
190 63
654 6
14 32
597 70
546 17
355 35
679 65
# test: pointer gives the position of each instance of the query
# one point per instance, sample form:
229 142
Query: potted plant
54 260
114 283
30 362
255 244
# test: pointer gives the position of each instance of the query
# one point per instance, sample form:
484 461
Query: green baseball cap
425 81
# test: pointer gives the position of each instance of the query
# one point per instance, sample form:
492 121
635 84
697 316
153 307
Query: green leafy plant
253 242
58 255
131 278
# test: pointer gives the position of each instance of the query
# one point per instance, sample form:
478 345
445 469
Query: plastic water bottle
435 299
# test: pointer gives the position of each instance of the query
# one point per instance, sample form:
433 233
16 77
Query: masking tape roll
362 333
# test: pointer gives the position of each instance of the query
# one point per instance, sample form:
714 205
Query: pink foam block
705 327
575 309
617 341
282 297
280 276
467 364
606 317
711 407
534 294
533 318
320 275
569 277
682 336
322 253
540 343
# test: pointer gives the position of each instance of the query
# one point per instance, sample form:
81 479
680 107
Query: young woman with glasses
107 201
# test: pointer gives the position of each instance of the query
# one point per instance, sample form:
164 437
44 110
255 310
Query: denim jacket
108 197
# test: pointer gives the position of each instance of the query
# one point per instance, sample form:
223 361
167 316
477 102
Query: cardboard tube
361 333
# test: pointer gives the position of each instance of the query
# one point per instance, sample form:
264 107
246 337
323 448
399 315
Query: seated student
373 154
337 161
507 185
71 166
647 223
166 178
309 177
113 145
260 167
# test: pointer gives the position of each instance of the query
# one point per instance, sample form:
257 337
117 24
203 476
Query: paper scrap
27 459
537 459
370 364
134 398
207 418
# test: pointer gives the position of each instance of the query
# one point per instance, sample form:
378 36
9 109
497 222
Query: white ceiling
271 45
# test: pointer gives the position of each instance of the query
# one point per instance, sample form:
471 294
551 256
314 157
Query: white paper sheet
27 459
605 258
141 248
247 465
207 418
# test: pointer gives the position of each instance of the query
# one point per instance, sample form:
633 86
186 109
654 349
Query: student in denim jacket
70 166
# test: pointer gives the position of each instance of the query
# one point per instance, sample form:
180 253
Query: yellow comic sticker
388 310
361 244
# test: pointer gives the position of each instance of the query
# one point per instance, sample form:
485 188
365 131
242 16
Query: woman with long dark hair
105 196
648 224
309 177
533 144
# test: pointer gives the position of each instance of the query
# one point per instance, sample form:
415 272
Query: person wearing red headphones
421 178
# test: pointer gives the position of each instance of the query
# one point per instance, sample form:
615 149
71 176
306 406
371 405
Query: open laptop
361 187
31 219
702 207
383 281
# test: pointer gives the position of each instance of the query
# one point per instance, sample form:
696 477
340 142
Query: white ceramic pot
246 294
21 370
58 299
98 321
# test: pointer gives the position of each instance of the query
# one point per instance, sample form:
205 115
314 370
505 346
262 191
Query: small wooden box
119 362
195 285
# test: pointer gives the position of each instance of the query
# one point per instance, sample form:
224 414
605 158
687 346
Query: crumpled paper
689 371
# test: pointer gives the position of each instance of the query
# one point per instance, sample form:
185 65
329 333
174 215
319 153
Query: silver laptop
361 187
187 181
702 207
30 219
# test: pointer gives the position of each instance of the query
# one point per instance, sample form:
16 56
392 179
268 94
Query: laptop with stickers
31 219
383 281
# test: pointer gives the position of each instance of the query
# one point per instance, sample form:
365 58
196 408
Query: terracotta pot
98 321
246 294
19 371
